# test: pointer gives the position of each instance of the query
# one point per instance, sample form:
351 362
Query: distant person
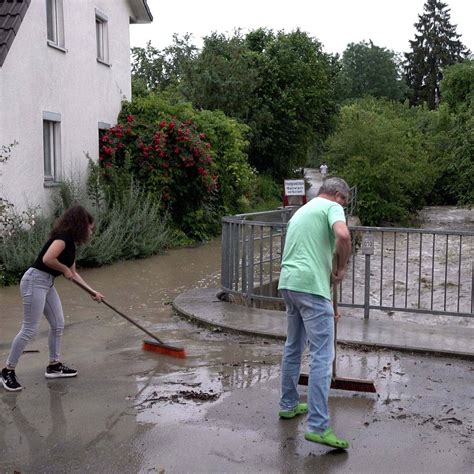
323 169
315 233
58 256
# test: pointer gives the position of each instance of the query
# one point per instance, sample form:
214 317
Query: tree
160 70
368 69
224 76
298 91
436 45
280 84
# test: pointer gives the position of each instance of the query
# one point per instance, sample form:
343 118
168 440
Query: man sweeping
315 232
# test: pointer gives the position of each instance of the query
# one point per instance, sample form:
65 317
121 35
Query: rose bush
228 139
171 160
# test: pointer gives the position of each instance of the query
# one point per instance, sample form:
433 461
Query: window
55 23
102 35
51 147
103 128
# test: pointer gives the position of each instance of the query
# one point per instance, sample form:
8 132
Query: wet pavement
134 411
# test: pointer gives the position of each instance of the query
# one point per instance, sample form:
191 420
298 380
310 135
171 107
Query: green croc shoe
298 410
328 438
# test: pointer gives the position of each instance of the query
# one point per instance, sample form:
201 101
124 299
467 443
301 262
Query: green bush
268 195
226 136
382 147
454 131
133 226
170 160
19 248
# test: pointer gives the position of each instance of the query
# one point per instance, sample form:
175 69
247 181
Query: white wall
36 78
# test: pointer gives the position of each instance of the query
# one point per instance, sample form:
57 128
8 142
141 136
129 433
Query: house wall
37 78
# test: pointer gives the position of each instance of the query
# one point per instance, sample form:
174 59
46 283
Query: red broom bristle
176 352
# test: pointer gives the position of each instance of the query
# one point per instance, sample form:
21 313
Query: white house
64 70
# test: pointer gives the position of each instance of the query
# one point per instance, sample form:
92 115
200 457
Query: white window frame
51 148
102 126
102 37
55 24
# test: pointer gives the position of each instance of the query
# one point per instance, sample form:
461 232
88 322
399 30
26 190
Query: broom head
353 385
154 346
339 383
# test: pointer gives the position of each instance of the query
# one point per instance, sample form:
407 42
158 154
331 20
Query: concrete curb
202 307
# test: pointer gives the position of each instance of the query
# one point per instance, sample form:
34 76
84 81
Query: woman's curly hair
74 222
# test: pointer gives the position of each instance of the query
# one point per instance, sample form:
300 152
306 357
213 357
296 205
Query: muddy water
419 271
447 217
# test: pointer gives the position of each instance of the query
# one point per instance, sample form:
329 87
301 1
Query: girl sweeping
58 256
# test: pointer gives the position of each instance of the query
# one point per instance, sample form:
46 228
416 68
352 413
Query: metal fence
391 269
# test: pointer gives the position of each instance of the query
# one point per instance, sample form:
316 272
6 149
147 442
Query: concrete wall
37 78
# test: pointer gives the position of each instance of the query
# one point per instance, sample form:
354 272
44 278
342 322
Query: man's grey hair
334 185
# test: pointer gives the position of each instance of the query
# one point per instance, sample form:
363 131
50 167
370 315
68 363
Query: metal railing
252 246
391 269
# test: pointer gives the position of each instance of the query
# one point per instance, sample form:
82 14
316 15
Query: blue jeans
310 318
39 297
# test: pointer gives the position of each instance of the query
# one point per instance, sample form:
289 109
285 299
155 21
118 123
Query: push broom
339 383
157 345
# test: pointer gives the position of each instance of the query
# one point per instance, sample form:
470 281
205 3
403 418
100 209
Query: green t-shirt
309 247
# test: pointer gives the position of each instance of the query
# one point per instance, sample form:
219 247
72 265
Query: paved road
314 177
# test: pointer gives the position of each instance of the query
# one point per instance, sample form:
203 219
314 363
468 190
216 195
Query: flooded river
428 271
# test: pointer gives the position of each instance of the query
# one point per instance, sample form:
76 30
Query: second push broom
340 383
157 345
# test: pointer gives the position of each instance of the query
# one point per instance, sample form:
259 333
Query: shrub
170 161
227 137
133 226
455 161
382 148
20 244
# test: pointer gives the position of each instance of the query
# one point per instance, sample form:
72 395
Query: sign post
294 191
367 250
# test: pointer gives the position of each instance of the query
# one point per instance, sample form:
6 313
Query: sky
335 23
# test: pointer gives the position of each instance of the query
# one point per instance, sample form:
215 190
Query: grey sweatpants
39 297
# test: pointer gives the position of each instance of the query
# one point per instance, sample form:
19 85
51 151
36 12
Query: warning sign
294 187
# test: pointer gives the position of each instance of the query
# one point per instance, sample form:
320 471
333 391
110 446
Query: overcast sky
335 23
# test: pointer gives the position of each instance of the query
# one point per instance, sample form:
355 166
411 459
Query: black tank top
66 257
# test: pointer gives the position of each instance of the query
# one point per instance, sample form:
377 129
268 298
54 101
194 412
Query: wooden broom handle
334 305
130 320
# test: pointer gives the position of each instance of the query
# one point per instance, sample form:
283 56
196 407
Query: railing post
236 233
250 267
225 256
244 259
367 287
367 250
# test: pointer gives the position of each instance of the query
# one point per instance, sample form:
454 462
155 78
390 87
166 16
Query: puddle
176 397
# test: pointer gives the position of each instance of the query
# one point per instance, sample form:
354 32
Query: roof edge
12 13
141 12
